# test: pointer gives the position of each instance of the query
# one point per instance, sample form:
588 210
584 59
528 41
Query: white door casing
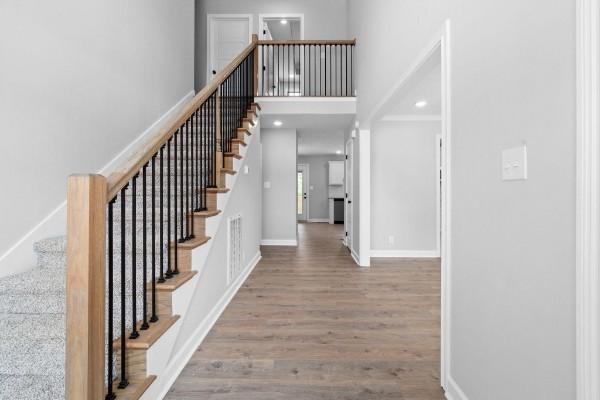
348 171
302 211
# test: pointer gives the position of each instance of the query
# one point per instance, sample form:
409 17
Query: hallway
308 324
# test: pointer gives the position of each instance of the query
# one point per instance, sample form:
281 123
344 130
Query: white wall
79 82
279 149
319 180
403 187
323 19
513 250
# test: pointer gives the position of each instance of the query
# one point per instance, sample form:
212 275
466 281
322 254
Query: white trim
306 170
588 200
262 17
438 193
20 256
318 220
405 253
355 256
364 196
410 118
446 222
209 20
348 207
279 242
180 360
453 391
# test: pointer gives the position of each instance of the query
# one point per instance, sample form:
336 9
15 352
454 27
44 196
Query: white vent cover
234 247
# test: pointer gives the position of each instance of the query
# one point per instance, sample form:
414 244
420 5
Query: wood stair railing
116 228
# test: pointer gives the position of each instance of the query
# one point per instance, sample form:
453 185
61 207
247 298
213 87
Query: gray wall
80 81
403 184
319 180
245 198
513 250
323 19
279 149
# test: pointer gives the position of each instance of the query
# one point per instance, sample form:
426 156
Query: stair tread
234 155
193 243
135 389
229 171
240 141
176 281
149 336
207 213
217 190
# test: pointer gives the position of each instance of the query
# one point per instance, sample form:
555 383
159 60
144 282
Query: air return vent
234 247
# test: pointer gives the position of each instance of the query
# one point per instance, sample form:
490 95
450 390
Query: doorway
302 184
227 36
281 26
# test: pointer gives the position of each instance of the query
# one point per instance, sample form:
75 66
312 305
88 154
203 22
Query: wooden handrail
119 178
292 42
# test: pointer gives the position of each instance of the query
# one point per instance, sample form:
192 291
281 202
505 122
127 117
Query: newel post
86 237
255 63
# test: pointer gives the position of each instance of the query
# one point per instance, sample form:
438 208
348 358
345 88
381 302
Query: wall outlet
391 239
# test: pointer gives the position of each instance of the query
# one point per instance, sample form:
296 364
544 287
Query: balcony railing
306 68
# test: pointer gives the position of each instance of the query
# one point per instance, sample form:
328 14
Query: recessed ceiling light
420 104
283 22
292 76
338 152
277 123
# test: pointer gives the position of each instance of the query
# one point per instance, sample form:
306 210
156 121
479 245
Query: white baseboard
180 360
355 256
277 242
317 220
453 391
20 256
405 253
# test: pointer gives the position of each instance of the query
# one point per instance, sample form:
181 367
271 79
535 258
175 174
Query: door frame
262 17
348 211
306 182
210 18
587 234
438 193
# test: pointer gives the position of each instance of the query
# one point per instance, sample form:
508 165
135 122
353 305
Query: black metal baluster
190 178
175 241
351 73
145 324
134 333
181 184
154 317
161 269
169 272
109 357
123 382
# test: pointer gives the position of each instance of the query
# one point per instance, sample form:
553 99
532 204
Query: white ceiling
425 84
318 134
279 31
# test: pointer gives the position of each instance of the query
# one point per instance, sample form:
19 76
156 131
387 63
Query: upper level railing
306 68
124 232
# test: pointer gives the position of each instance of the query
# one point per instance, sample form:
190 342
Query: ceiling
318 134
425 84
279 31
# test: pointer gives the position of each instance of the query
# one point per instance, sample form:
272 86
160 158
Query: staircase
86 323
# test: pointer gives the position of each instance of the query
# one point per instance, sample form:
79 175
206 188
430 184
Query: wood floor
310 325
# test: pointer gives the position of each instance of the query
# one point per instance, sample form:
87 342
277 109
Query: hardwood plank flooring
308 324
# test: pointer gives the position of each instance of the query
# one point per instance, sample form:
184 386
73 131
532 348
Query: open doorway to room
281 26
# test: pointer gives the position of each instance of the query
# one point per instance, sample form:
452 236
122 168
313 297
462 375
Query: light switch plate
514 164
267 185
246 169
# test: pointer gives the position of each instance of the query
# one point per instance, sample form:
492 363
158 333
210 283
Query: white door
348 201
228 35
302 192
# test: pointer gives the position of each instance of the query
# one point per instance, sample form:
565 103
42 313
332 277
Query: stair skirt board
169 373
20 256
